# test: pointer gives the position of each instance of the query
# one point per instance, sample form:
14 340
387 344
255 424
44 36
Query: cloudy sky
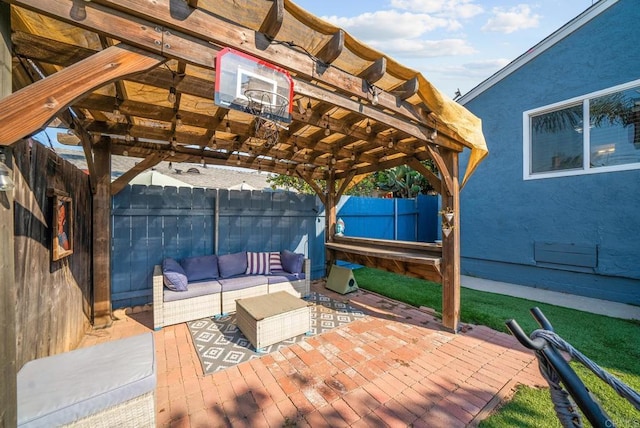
454 43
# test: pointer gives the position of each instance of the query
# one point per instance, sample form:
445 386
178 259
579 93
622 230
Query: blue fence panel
151 223
367 217
406 219
428 218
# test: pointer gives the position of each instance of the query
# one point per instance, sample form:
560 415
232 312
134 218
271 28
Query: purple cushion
291 262
199 268
196 289
174 276
257 263
275 265
232 264
242 282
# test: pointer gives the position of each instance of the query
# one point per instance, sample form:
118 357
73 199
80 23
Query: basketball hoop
267 107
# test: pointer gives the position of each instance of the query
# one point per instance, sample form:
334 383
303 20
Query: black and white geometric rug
220 344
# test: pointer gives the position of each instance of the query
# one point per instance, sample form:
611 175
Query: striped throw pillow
257 263
275 265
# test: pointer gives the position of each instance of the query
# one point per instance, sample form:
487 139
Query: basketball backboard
253 86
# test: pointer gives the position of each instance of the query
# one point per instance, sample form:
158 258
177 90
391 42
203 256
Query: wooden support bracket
273 22
375 71
332 49
407 89
30 109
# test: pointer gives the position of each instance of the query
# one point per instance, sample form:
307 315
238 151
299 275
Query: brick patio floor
396 367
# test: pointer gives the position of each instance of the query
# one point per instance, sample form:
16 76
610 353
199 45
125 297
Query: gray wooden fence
151 223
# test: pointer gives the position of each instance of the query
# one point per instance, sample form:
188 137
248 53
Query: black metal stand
580 394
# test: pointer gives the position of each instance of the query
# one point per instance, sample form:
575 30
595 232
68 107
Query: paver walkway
394 368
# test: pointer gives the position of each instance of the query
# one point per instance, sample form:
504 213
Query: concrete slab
586 304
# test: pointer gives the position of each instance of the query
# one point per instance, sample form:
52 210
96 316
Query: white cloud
390 24
416 48
456 9
513 19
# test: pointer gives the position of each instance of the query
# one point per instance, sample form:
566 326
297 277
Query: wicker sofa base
138 412
295 288
229 297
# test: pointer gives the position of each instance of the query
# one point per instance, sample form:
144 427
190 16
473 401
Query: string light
390 145
368 128
116 109
353 156
309 107
172 95
228 126
178 120
327 130
301 109
374 92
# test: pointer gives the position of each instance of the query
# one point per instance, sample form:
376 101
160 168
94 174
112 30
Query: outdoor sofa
206 286
111 384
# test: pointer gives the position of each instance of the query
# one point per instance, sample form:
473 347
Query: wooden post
330 210
102 235
451 246
8 296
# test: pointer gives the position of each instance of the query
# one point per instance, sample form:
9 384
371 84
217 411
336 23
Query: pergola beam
150 161
30 109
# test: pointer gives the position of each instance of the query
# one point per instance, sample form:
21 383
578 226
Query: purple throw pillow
199 268
291 262
232 264
174 276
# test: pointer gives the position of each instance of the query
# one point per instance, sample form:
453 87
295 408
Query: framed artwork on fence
62 239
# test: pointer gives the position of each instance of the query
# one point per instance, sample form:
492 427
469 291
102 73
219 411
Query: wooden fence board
52 311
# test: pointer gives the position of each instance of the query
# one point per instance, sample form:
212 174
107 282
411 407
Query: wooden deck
417 259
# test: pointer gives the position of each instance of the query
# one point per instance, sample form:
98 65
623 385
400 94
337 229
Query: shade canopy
355 110
155 178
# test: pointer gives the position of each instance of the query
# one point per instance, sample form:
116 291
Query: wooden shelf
417 259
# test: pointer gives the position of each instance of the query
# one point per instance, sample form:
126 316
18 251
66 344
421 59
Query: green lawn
612 343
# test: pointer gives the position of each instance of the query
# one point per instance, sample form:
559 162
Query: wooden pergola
104 68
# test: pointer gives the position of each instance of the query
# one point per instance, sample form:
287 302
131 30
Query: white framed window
557 143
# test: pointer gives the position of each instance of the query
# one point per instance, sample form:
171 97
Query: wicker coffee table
272 318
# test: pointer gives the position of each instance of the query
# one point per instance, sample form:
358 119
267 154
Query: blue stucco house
556 204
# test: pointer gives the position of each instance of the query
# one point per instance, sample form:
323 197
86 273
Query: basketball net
266 106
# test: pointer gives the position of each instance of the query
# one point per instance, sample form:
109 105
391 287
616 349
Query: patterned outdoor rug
220 344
